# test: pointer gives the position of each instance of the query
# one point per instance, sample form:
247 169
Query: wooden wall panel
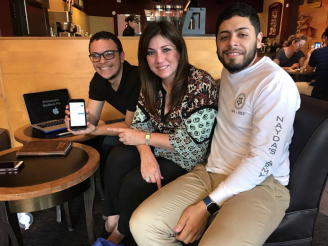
39 64
3 110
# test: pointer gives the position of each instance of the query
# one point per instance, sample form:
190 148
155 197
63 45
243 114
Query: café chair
308 175
4 139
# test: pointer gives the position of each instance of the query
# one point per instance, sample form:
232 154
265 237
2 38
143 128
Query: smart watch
147 138
211 206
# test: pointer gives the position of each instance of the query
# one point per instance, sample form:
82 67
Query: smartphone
10 166
78 120
317 45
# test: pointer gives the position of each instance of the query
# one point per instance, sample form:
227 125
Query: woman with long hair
292 57
171 130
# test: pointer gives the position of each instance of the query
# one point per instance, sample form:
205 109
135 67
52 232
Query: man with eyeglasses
115 81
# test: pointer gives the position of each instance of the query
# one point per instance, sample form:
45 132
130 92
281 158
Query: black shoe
104 233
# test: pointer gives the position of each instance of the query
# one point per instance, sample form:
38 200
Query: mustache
232 50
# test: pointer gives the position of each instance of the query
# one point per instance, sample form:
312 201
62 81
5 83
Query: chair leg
12 233
68 217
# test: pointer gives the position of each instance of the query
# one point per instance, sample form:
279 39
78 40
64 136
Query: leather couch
309 169
4 139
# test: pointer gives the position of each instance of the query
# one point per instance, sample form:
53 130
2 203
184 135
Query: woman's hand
310 52
130 136
150 168
295 65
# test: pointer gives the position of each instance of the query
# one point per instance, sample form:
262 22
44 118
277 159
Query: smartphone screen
77 114
10 165
317 45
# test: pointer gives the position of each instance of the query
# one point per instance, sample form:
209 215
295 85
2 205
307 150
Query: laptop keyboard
52 123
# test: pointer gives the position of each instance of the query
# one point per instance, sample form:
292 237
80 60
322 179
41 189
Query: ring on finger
147 179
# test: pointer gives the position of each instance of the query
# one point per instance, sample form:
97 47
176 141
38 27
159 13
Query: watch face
213 208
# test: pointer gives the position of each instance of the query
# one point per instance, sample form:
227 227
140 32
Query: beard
233 66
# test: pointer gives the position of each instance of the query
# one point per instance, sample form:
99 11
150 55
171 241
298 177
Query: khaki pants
304 88
245 219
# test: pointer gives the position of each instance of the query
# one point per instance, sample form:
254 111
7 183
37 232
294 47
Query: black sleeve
133 96
96 90
279 54
127 32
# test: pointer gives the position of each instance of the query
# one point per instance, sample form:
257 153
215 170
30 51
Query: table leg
11 226
89 196
68 216
58 213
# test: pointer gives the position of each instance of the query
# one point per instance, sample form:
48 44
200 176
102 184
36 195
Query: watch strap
211 206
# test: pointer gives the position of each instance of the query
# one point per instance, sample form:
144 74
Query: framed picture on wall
274 17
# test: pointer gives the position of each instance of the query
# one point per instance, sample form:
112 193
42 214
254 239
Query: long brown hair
150 82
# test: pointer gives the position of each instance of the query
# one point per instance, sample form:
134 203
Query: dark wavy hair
107 36
242 10
150 82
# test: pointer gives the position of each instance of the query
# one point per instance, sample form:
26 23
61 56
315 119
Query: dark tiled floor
46 231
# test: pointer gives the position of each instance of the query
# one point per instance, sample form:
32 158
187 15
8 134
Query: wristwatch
211 206
147 138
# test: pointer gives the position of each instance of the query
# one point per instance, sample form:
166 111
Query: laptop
46 109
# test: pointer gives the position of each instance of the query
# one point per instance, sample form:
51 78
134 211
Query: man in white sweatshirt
243 183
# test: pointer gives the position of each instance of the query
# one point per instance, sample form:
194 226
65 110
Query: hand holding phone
10 166
77 114
317 45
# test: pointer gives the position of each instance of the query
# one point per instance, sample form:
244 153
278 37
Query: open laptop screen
46 105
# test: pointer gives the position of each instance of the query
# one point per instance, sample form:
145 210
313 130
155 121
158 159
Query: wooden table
300 77
46 182
27 133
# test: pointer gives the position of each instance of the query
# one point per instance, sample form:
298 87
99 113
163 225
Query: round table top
43 175
27 133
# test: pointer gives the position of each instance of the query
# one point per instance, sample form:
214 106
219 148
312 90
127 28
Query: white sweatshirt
255 125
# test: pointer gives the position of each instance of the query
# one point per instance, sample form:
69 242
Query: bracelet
147 137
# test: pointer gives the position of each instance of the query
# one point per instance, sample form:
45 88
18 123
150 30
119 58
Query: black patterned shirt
189 126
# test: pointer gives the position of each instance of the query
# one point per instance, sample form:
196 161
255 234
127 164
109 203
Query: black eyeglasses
108 55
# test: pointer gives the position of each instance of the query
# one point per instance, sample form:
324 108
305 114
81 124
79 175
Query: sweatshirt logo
240 101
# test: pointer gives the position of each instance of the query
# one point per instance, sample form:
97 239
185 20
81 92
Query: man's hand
192 222
130 136
150 168
90 127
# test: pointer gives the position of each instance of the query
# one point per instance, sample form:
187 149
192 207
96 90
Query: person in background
243 182
170 132
318 60
116 82
131 25
291 57
323 40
